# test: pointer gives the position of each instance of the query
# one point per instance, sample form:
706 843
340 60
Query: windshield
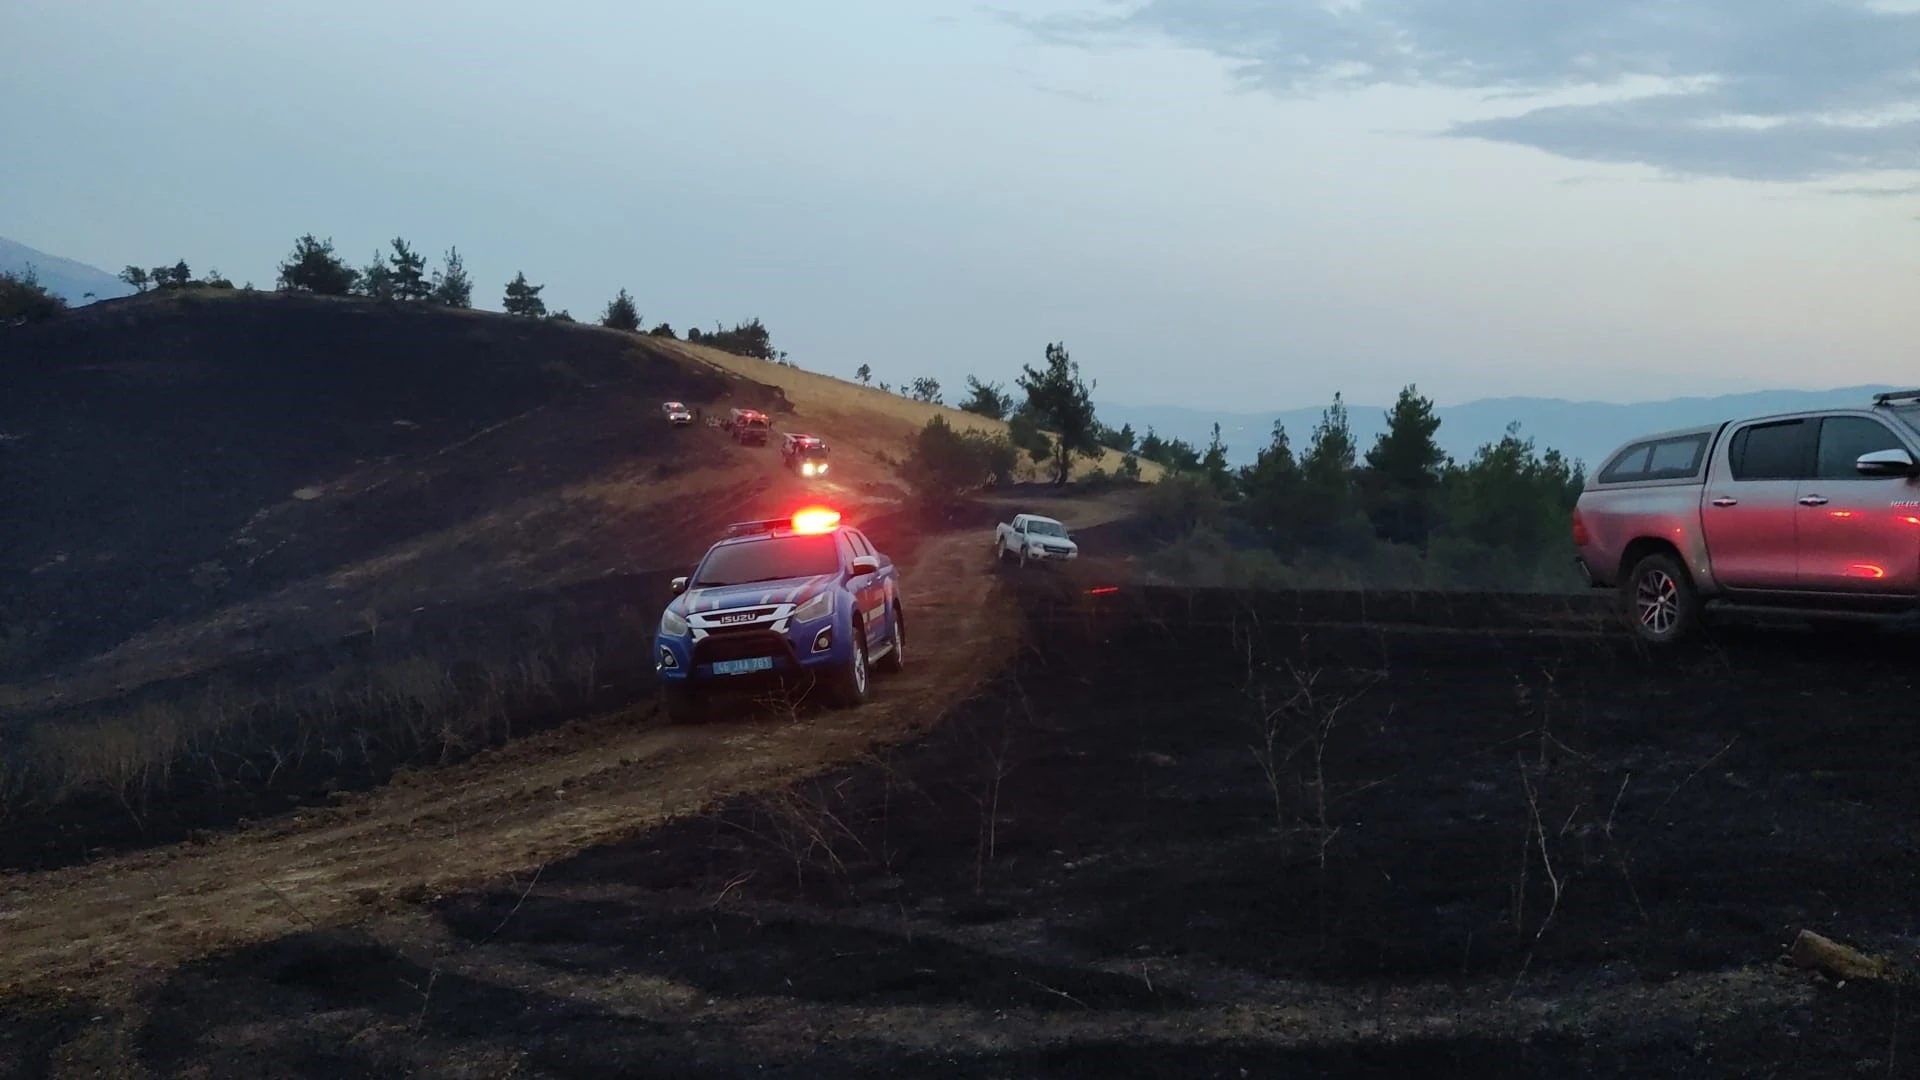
1046 528
1910 414
772 559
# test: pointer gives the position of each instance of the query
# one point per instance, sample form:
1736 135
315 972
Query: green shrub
1181 503
943 464
24 300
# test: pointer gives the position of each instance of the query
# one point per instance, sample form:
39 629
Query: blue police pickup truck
801 601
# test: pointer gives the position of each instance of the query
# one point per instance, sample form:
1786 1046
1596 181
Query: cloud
1756 89
1899 191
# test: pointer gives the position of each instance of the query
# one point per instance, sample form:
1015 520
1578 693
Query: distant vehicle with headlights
749 427
677 413
1030 538
804 454
802 602
1817 512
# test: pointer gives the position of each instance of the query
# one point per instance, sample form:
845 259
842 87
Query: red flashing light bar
816 519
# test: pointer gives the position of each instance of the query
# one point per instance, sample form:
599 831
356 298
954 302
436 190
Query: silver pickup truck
1817 511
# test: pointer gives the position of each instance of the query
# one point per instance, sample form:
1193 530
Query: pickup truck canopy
1034 523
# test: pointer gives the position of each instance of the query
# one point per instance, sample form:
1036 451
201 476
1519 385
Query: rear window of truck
1774 451
1657 459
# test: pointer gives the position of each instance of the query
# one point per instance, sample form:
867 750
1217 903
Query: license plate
741 667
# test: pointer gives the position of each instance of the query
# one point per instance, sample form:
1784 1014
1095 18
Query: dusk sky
1214 203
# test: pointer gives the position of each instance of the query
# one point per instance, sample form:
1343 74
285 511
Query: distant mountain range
1585 430
69 280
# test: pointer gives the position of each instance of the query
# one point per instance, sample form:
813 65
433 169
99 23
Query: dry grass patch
879 420
225 743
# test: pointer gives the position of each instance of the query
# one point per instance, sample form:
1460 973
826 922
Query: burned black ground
1512 849
153 444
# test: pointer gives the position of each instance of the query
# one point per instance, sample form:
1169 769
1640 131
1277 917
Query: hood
757 594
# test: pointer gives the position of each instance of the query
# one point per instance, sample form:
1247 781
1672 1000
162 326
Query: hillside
876 421
1583 430
71 281
202 475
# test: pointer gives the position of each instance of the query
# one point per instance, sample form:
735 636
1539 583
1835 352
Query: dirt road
100 927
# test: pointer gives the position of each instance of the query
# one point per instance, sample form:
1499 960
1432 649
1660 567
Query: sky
1212 203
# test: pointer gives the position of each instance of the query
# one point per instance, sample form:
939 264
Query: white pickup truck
1031 538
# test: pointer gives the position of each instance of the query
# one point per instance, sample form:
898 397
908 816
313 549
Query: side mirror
679 585
1895 462
863 565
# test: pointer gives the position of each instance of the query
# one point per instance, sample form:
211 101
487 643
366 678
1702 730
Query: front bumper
795 655
1040 554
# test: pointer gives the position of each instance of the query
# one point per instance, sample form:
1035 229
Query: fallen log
1814 952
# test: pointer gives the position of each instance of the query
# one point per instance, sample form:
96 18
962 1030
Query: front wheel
849 685
1659 600
896 659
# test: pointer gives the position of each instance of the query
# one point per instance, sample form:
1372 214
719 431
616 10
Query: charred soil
261 550
1190 834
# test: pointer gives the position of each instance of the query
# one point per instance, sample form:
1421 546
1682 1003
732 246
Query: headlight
819 607
807 469
672 624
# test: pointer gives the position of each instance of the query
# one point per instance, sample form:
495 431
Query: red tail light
1579 531
1104 590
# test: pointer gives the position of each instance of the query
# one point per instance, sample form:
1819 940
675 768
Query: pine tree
523 298
314 268
1058 398
1213 465
409 272
1403 471
987 399
451 285
621 314
376 279
1326 476
1271 487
